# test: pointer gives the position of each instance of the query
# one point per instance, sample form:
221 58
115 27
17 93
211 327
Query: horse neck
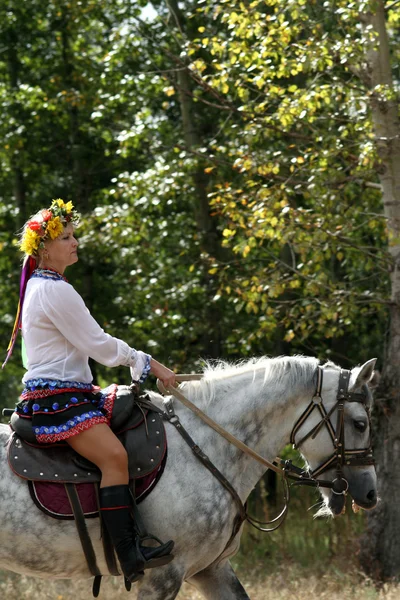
260 414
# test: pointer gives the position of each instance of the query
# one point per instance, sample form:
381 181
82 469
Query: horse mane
298 372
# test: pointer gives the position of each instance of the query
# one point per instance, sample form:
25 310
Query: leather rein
340 457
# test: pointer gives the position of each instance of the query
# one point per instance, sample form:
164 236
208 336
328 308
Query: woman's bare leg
99 445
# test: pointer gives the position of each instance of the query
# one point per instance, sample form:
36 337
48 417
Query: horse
258 401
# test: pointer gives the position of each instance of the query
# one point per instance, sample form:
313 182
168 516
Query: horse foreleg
161 584
219 582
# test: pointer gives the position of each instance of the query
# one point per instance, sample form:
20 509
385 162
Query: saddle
140 430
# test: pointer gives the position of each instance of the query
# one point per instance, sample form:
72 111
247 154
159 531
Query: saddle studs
157 432
15 457
75 474
55 474
139 469
25 471
153 420
41 474
89 474
152 460
158 447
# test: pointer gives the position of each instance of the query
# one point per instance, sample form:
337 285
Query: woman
59 336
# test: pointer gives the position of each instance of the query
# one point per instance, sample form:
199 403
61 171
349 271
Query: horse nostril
371 495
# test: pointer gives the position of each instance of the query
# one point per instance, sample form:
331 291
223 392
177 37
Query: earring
46 255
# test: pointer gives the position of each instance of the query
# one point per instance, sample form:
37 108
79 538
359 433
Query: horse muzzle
363 487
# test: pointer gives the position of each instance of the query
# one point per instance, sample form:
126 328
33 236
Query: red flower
47 215
36 226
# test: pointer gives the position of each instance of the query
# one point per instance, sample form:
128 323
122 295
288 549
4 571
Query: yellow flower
68 207
60 203
30 242
54 227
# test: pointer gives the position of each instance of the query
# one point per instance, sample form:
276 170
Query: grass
284 584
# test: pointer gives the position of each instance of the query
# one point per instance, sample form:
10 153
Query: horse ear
373 383
365 373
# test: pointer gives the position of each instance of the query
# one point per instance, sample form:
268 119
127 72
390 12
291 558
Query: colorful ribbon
27 269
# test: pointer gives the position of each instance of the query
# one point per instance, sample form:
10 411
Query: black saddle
139 429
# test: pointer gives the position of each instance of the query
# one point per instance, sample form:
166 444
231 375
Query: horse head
333 435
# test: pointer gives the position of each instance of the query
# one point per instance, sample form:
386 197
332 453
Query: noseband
341 455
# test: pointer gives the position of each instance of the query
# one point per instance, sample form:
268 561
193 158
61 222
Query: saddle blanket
52 498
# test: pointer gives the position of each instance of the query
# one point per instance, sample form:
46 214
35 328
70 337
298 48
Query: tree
381 556
316 155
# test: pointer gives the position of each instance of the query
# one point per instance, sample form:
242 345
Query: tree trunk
206 225
381 548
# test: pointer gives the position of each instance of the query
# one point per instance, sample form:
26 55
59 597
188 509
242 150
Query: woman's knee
116 457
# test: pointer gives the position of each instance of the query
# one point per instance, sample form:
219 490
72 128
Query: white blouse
60 335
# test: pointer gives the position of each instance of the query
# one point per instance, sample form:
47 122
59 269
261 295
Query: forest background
237 167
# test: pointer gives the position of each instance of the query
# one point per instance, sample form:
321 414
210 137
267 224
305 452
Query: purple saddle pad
52 498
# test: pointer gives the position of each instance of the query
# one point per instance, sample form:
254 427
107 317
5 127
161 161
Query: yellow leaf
201 29
289 336
209 169
169 91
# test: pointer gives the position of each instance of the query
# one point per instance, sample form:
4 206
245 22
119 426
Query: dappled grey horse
259 402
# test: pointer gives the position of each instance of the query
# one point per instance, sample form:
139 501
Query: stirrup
154 556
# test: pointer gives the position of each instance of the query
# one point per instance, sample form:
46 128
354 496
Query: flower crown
48 223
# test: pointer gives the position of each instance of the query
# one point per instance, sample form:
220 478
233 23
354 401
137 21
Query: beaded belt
41 388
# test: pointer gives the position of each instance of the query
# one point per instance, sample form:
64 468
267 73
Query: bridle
341 455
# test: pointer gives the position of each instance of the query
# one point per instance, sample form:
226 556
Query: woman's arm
68 312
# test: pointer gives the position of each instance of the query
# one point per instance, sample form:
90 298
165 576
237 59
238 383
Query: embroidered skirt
59 410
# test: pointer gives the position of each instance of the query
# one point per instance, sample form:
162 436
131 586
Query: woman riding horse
59 397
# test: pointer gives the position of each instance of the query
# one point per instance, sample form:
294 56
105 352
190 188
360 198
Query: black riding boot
116 505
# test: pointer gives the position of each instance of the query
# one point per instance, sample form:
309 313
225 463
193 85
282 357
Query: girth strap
84 536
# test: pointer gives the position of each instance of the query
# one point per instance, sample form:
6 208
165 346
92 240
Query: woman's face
61 252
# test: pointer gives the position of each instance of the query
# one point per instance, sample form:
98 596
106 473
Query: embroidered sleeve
140 368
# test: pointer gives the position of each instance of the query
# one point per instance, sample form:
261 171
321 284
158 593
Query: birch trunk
380 553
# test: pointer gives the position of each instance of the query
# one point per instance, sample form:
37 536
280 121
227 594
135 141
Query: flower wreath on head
48 223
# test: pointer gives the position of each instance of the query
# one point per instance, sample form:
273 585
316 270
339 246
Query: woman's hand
162 372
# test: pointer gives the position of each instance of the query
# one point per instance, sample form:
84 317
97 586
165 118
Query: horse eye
360 426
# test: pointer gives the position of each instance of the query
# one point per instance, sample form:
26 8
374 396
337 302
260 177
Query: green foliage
249 224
